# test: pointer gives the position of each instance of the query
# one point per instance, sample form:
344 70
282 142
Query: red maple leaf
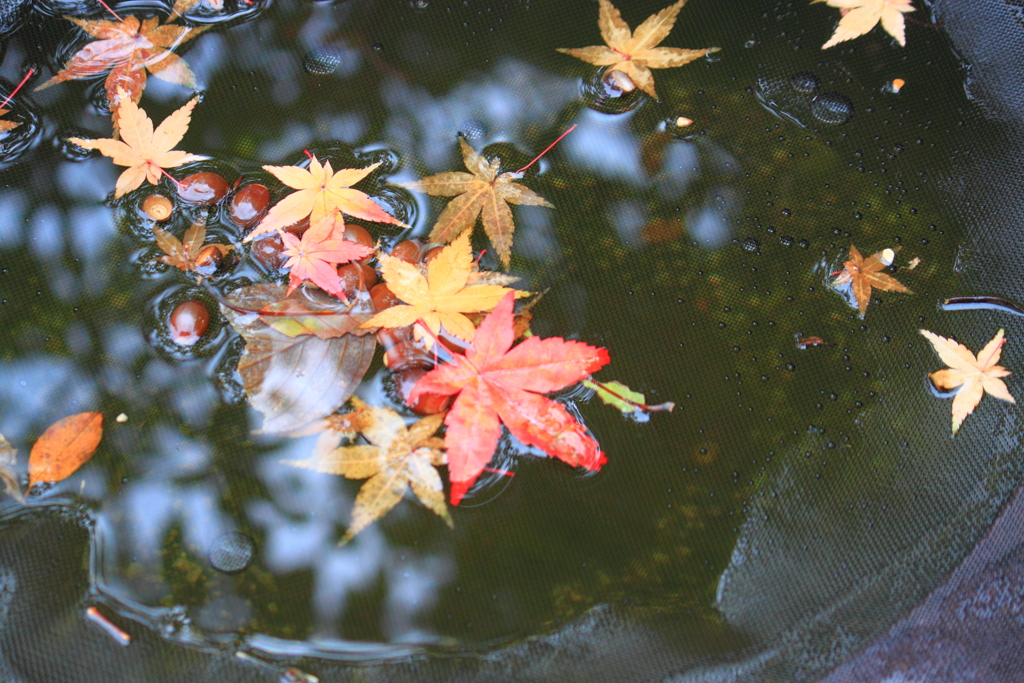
315 257
496 385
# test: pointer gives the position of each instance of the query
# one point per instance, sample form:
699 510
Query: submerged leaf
310 311
396 459
624 399
7 125
65 446
127 49
635 53
975 376
294 381
482 193
182 253
8 457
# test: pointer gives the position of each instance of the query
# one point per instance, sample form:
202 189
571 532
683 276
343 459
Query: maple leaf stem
547 149
174 180
504 473
666 407
110 10
18 87
308 154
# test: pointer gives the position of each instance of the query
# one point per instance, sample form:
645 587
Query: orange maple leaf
973 375
497 384
127 49
865 273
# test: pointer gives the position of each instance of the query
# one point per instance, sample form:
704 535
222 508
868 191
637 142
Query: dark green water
696 256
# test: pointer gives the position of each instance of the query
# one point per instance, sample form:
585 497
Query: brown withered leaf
127 49
975 376
7 125
863 274
65 446
480 193
634 53
294 381
9 476
146 152
182 253
397 458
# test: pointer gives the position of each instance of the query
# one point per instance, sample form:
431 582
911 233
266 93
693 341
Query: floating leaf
860 16
144 151
8 457
973 375
182 6
440 298
316 256
499 384
481 193
397 458
294 381
65 446
624 399
634 53
863 274
320 193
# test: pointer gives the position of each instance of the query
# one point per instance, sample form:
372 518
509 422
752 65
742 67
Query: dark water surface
696 255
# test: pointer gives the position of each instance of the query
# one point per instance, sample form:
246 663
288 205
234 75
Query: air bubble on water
751 244
804 82
323 60
832 107
232 552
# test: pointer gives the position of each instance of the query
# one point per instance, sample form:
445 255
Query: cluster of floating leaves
464 357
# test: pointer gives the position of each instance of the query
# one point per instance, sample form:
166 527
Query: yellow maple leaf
442 297
397 458
146 152
635 53
865 273
973 375
860 16
320 192
480 193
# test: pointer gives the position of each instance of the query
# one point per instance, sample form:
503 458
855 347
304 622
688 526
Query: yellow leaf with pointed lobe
442 297
320 193
635 53
145 151
860 16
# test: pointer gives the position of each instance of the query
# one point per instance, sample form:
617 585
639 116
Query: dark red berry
203 188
